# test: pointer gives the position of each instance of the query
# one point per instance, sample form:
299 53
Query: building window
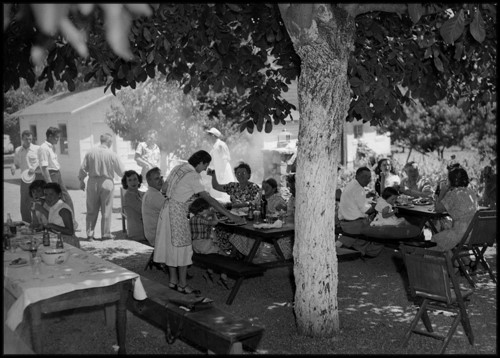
63 139
33 131
358 130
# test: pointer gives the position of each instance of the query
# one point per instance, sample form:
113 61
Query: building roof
66 102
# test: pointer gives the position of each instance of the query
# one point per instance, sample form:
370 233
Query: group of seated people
360 214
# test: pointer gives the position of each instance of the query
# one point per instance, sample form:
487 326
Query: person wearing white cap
221 163
26 159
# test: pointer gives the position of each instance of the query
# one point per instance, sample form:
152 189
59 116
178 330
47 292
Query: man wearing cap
26 159
49 163
221 163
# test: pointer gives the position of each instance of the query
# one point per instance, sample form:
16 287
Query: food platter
422 201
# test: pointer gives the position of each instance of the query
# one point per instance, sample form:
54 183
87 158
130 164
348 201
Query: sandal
187 290
173 286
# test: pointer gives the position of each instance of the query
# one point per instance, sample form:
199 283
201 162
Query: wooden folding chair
480 234
431 278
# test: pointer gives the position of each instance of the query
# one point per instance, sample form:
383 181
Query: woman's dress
173 244
132 202
461 204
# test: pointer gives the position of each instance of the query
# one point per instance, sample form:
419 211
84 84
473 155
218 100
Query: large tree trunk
323 39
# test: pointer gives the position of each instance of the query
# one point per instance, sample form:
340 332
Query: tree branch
358 9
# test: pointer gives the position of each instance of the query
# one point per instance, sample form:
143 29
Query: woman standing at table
386 176
132 203
173 244
414 184
60 217
461 204
241 194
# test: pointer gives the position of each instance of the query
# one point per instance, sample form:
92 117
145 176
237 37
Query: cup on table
256 216
36 265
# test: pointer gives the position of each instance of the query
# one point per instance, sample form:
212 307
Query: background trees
353 60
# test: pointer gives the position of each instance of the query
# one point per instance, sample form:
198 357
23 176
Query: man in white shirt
49 164
152 202
354 210
26 159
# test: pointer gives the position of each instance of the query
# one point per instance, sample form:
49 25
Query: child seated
386 214
202 223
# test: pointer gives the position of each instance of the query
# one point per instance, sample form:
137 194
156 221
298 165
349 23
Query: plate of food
19 262
230 222
422 201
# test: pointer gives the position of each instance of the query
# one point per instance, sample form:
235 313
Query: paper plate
26 177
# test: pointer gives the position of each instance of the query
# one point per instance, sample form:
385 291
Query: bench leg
121 319
235 290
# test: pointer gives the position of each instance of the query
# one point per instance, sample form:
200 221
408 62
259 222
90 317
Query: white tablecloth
82 270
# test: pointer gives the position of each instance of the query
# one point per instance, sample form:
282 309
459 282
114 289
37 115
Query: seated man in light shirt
354 210
152 202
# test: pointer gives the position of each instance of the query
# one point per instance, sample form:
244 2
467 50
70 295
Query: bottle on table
263 206
46 238
250 211
59 244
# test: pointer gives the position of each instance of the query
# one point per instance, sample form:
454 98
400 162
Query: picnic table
424 211
83 280
242 269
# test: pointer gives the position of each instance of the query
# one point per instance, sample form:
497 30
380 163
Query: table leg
36 327
253 251
234 290
434 230
121 319
278 250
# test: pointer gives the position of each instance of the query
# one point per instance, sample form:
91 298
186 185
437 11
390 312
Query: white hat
215 132
27 177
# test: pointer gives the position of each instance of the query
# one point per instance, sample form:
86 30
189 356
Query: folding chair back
480 234
431 277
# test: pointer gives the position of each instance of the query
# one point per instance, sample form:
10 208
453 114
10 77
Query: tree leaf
477 27
453 28
459 49
415 11
438 63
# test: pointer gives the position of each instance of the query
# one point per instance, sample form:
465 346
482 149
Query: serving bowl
54 256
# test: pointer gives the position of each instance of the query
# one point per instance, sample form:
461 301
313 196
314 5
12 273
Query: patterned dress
461 205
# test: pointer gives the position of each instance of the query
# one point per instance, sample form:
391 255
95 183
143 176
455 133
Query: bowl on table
54 256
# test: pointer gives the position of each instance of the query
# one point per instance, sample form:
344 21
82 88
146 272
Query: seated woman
132 203
414 184
461 203
386 176
60 217
241 195
36 193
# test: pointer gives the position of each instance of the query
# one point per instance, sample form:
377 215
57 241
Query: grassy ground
373 305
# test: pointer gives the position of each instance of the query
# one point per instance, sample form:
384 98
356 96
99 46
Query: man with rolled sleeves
49 163
100 164
26 159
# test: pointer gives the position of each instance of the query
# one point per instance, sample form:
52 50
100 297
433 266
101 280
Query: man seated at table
354 211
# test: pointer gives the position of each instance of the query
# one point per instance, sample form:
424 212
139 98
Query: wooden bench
210 329
231 267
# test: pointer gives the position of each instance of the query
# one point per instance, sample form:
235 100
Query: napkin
277 224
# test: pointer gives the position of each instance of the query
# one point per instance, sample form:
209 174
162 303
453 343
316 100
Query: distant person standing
221 163
26 159
100 164
49 163
147 154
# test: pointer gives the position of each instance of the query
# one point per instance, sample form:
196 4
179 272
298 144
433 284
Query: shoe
173 286
187 290
110 237
90 238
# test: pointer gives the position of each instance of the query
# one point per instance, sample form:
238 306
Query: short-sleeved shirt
353 202
47 156
101 162
190 184
273 201
238 194
152 202
27 158
152 155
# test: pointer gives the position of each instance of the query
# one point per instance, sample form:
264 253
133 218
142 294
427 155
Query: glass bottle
250 211
263 206
46 238
59 244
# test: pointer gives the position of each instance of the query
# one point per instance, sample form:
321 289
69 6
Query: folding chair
431 278
122 212
480 234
